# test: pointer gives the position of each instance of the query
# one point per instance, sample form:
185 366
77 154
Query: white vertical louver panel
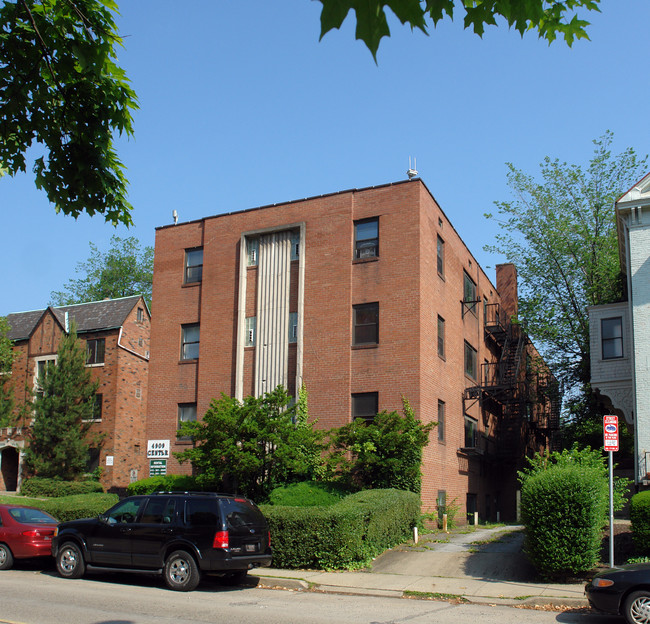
273 283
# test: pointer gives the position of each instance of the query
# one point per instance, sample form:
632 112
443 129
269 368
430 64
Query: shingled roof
89 317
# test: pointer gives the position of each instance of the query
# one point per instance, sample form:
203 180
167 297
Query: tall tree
251 446
6 362
560 232
60 88
63 409
125 269
549 18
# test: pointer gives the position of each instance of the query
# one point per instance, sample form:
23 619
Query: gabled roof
89 317
639 193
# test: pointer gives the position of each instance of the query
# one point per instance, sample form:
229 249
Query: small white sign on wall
158 449
109 460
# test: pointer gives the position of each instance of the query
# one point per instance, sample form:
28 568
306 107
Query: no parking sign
610 433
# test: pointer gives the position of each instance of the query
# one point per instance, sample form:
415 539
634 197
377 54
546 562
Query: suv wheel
70 561
181 572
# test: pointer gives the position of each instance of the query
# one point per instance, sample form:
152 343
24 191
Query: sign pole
610 444
611 509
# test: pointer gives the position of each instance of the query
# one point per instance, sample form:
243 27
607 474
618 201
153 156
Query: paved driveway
494 554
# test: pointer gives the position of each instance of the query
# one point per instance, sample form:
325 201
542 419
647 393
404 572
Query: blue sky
242 106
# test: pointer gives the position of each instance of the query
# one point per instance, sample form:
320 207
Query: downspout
119 344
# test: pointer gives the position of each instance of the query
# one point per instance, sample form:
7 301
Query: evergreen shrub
345 535
640 517
41 486
564 509
79 506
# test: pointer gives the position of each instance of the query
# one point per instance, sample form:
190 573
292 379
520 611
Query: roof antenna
412 172
175 216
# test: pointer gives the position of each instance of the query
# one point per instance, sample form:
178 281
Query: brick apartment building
116 335
364 296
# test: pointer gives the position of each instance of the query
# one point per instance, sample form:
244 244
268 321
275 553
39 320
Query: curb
295 584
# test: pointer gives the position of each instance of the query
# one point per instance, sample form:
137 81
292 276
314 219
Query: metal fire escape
522 395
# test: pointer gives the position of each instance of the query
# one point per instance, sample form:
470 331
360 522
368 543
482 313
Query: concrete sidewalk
481 566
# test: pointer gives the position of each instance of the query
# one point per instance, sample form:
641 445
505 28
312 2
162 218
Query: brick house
619 333
363 296
116 335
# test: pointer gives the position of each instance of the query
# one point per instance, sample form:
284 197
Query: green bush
75 507
305 494
640 517
345 535
39 486
564 510
167 483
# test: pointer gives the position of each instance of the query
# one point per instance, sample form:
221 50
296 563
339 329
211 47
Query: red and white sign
610 433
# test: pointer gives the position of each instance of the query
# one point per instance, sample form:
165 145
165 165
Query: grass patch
434 596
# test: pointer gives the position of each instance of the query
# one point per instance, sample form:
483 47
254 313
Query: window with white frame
95 350
250 330
41 366
252 250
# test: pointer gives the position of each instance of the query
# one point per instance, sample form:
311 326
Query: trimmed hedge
564 510
73 507
38 486
640 517
305 494
167 483
345 535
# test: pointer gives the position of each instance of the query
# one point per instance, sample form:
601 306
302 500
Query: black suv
177 534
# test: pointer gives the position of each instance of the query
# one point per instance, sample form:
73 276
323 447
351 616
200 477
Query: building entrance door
9 468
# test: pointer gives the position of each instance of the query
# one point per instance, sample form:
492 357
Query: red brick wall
125 370
403 279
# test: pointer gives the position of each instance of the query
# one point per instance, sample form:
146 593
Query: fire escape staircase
508 391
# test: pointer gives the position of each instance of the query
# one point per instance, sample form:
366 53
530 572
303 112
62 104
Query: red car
25 532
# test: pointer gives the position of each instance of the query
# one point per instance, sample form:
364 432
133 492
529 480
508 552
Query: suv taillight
220 540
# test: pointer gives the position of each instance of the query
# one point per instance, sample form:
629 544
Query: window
193 265
471 432
441 337
293 327
140 315
97 407
366 238
611 331
441 256
469 294
441 504
441 421
470 361
364 405
251 326
41 367
92 459
366 323
253 245
95 351
190 342
295 245
186 413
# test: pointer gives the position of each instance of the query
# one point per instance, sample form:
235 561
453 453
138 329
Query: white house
620 332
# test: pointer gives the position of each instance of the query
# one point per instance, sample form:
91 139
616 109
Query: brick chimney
507 289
